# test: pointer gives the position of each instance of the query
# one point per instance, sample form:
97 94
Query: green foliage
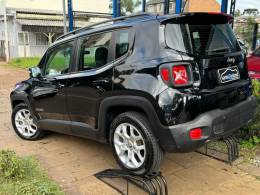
127 6
256 88
24 63
245 31
24 176
251 133
237 13
11 167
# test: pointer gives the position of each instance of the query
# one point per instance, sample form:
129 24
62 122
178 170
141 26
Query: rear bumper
214 124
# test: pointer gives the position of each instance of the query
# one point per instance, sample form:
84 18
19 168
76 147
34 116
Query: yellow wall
202 6
78 5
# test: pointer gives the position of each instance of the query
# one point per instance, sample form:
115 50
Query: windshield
201 39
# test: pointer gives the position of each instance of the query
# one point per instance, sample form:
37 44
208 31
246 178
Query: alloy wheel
24 123
129 145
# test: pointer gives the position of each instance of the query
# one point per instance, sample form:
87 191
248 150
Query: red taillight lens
196 133
180 75
165 74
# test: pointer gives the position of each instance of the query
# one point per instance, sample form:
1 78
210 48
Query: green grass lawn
24 176
24 63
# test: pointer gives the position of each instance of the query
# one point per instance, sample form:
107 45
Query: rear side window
122 42
94 51
201 39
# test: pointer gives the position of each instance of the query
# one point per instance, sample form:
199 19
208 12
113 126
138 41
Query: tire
24 125
145 161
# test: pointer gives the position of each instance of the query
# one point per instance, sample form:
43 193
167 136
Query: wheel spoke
141 147
124 132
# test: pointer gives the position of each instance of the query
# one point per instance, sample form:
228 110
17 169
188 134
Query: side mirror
35 72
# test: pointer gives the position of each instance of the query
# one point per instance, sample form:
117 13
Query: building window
41 39
23 38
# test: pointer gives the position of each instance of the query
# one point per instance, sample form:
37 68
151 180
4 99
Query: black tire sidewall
137 124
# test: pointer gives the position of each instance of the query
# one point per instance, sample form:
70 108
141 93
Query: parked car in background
253 63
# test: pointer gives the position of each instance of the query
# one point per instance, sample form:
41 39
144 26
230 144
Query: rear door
90 81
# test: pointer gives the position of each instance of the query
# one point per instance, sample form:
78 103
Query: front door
49 92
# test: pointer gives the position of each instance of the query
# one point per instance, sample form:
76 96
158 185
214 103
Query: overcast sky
244 4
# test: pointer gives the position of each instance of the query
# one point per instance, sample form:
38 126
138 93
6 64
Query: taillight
177 75
196 133
165 73
180 75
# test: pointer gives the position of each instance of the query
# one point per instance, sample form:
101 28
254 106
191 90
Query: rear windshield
201 39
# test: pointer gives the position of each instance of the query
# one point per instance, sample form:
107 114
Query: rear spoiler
198 17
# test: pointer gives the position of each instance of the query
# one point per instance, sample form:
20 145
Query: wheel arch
21 98
113 106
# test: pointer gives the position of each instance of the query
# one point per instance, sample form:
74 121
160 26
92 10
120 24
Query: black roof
117 22
126 21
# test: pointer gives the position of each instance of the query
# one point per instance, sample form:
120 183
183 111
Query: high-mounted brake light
180 75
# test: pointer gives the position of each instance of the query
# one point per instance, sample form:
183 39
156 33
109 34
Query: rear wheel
24 124
134 146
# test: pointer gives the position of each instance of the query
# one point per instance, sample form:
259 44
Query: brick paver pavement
72 161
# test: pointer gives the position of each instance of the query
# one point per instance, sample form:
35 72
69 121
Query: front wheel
134 145
24 124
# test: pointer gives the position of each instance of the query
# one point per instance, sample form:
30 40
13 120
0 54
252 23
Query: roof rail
100 23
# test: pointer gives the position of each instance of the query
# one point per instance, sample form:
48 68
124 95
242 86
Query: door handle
100 82
60 85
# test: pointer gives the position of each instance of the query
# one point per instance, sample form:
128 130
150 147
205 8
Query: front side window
122 42
58 60
95 51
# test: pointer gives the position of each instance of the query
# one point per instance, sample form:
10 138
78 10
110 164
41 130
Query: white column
6 35
64 17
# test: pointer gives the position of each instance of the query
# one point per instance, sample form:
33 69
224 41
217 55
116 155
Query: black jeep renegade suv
146 84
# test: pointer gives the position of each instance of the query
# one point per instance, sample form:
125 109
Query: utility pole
70 14
143 5
178 6
224 6
6 35
64 16
118 8
114 5
255 36
166 6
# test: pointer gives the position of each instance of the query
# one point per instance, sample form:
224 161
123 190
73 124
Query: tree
245 31
237 13
127 6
